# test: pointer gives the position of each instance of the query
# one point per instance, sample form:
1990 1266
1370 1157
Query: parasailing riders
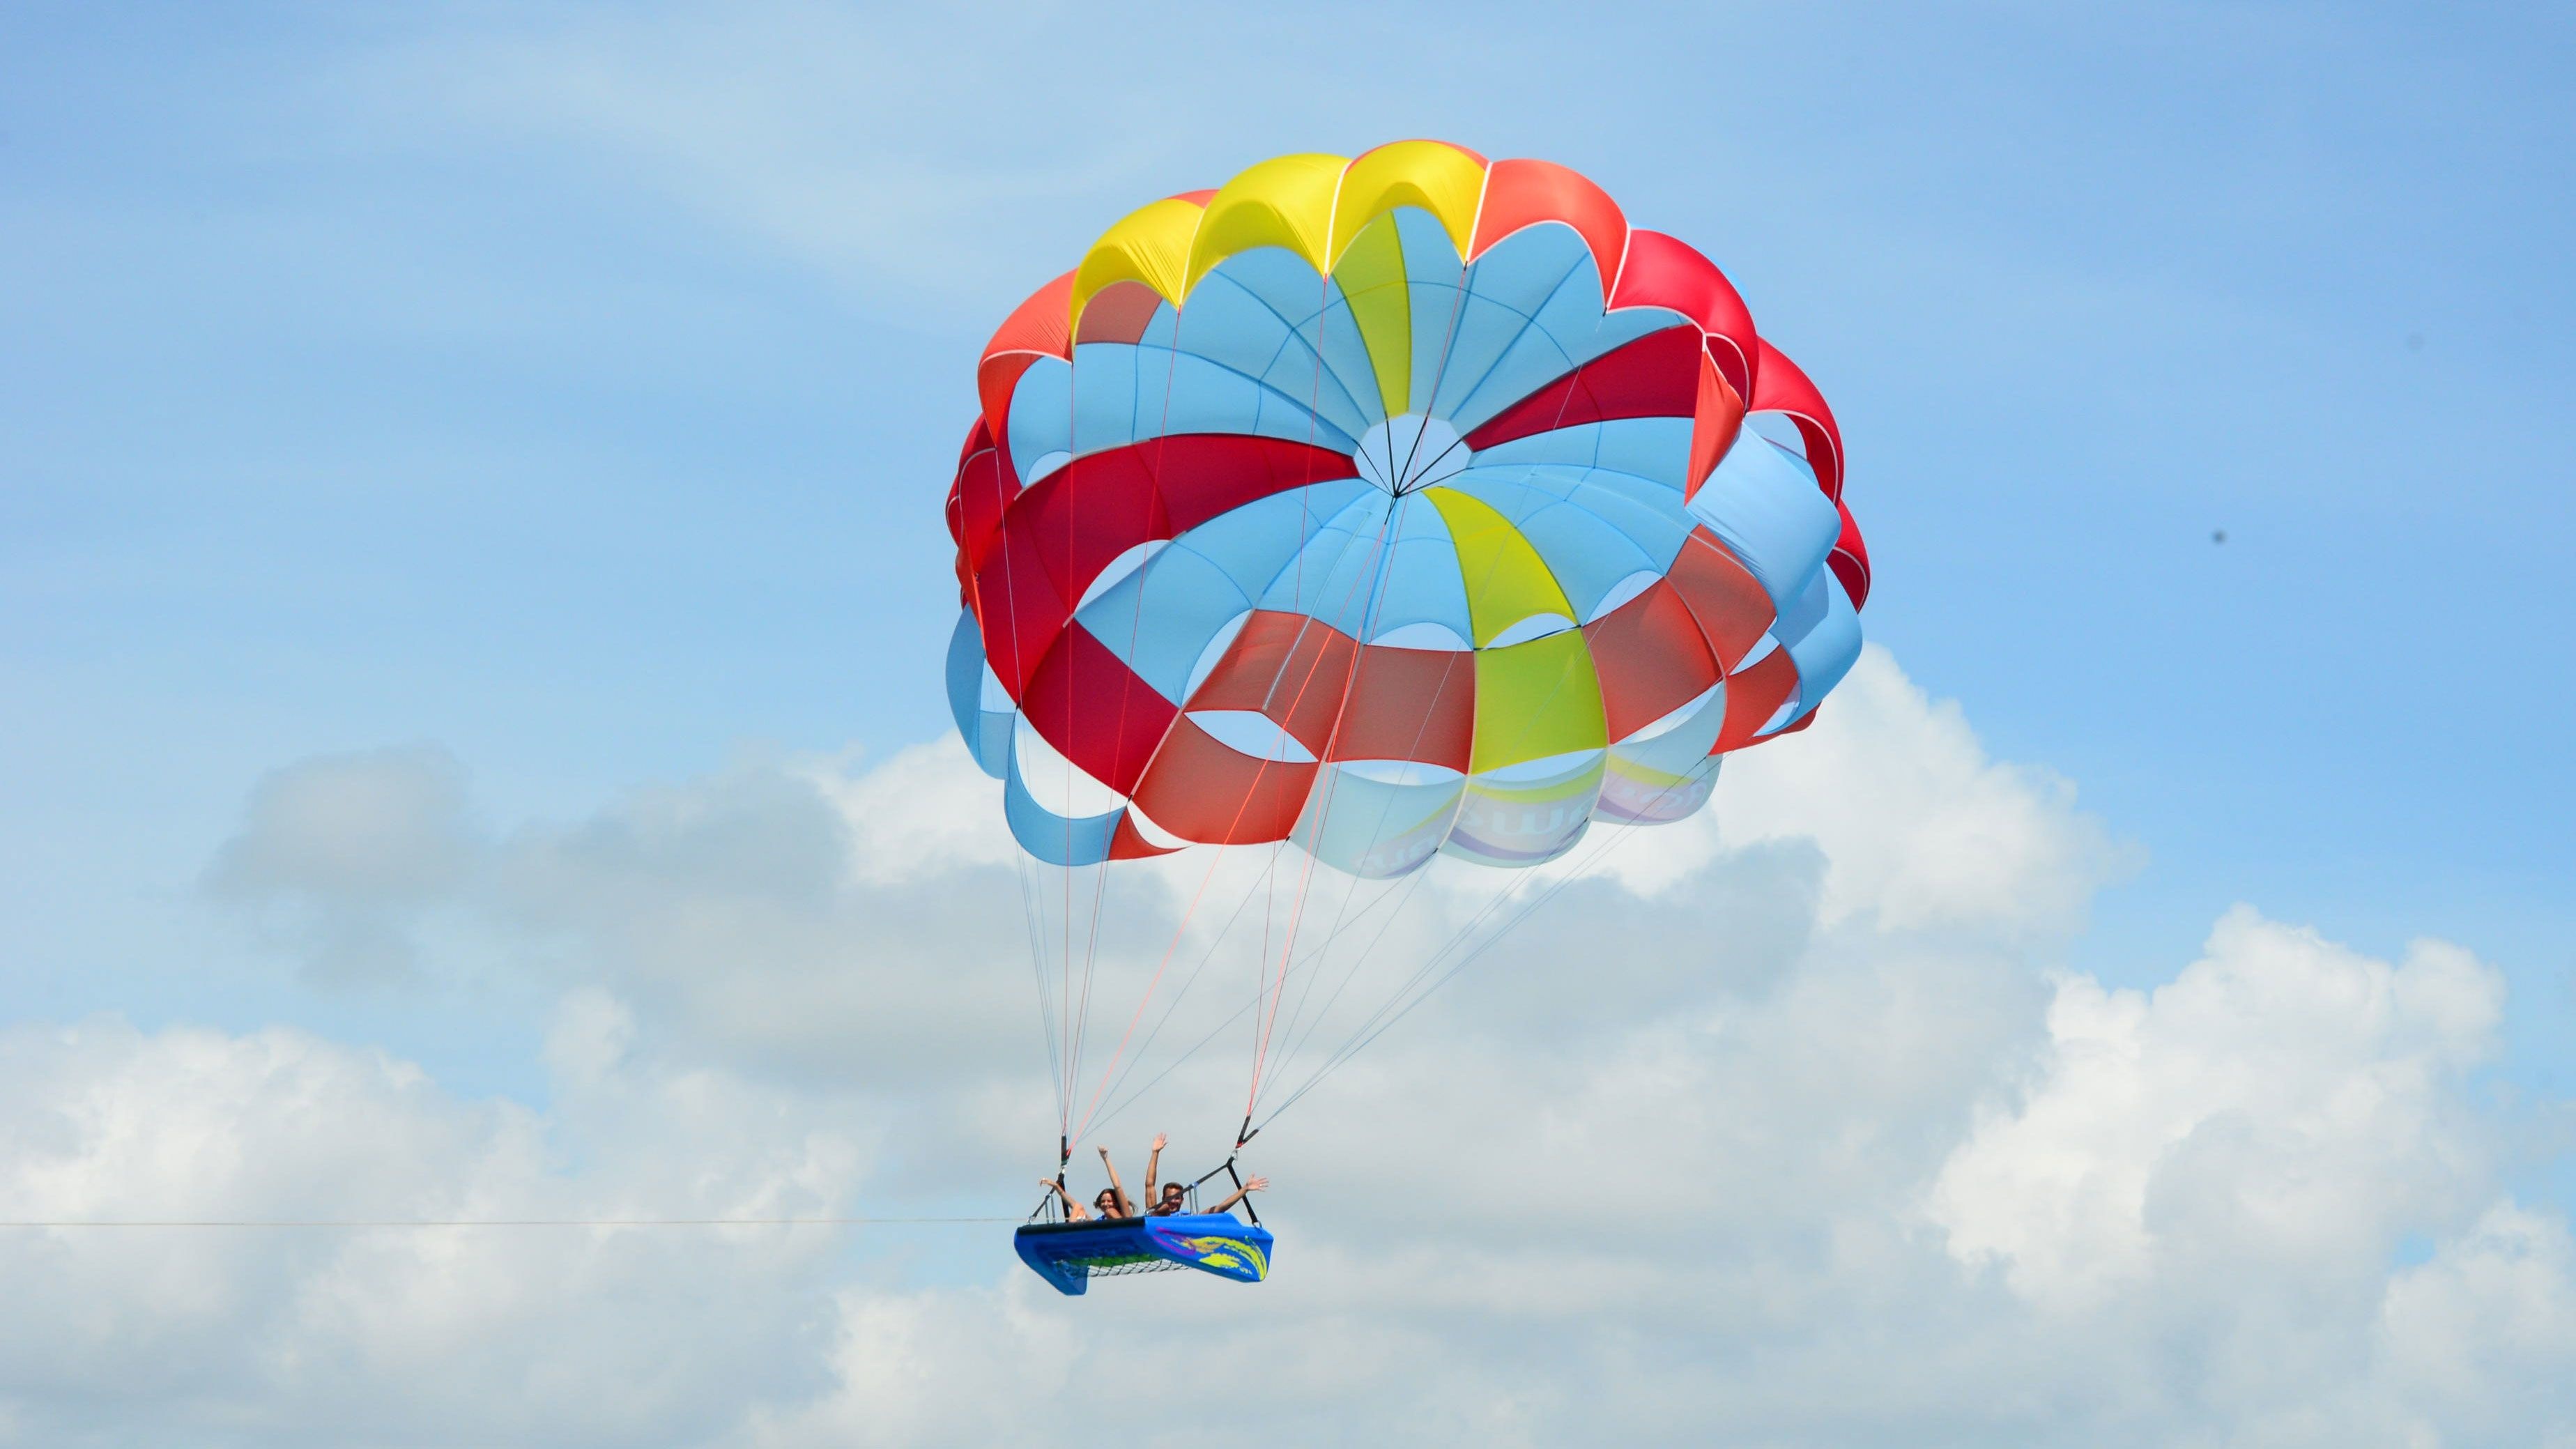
1111 1238
1111 1203
1387 508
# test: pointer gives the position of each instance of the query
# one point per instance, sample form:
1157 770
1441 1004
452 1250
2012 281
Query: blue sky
369 381
574 390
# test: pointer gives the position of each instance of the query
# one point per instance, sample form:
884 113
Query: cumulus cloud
276 1335
2480 1337
1930 835
340 853
1784 1127
2282 1097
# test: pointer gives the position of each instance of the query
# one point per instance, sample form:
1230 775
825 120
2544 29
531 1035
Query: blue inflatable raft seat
1069 1255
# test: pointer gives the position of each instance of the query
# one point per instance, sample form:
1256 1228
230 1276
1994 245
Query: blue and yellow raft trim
1070 1255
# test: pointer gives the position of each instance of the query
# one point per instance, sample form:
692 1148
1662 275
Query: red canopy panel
1753 696
1724 597
1667 272
1656 376
1017 608
1780 386
1522 194
1651 657
1291 668
1203 790
1036 328
1410 704
1096 711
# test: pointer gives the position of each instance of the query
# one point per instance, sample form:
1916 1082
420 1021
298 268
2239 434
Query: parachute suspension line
1188 913
1448 339
1368 1034
1373 1028
1130 1098
1581 871
1351 893
1297 1042
1261 960
1314 404
1432 962
1270 871
1266 883
1217 856
1249 1002
1562 406
1329 786
1126 699
1173 1004
1052 1204
1063 960
1082 1016
1380 557
1314 957
1296 1039
1457 298
1297 1048
1313 420
1199 894
1060 890
1538 713
1032 889
1029 919
1073 727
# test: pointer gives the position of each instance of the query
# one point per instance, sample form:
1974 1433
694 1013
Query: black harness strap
1247 1133
1249 1210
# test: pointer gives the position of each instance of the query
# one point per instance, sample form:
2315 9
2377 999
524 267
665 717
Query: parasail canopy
1405 505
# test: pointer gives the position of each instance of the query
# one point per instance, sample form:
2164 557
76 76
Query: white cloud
275 1335
926 811
2282 1097
2482 1335
340 853
386 826
1784 1136
1919 828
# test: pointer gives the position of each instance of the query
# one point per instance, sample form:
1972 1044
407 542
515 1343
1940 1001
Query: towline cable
356 1224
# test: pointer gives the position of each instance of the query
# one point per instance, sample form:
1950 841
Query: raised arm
1073 1212
1250 1186
1153 1162
1117 1194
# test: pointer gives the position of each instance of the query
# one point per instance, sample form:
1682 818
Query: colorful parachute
1395 506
